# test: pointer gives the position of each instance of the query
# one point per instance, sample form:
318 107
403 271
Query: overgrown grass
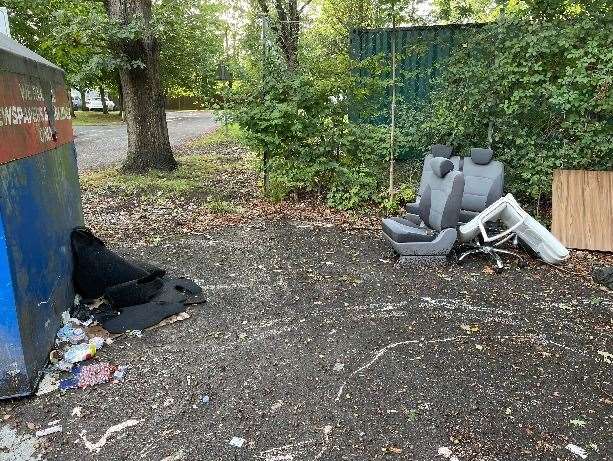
188 178
95 118
219 206
206 174
225 134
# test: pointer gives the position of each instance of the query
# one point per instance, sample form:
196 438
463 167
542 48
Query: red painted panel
24 123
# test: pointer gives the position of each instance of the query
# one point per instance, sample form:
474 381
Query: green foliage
544 83
80 38
191 46
220 206
301 122
539 75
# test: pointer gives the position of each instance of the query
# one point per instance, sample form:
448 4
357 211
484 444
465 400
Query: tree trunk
143 98
120 90
105 109
69 92
286 29
83 102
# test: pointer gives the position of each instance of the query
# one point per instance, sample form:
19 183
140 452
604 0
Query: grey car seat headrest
441 166
481 156
441 150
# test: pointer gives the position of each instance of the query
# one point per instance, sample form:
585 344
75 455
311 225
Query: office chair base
494 253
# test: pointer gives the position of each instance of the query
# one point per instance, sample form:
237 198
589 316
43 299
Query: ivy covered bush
535 83
544 81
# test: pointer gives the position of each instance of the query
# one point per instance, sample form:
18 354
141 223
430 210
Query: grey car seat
436 150
483 182
434 231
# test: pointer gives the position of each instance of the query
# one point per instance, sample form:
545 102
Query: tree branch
302 8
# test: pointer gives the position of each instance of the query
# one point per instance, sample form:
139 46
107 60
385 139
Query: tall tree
285 23
143 97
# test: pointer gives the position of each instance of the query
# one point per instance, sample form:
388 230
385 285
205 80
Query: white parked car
96 104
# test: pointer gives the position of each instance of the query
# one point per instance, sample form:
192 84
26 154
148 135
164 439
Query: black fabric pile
136 295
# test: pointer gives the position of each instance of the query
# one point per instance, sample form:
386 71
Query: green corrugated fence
420 55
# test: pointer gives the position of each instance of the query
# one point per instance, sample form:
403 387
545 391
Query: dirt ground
316 345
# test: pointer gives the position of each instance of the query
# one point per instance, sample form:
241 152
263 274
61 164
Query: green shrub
302 123
544 82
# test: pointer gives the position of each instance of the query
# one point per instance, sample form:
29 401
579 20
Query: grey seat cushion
441 166
408 220
412 208
441 150
483 184
481 156
404 233
426 173
439 207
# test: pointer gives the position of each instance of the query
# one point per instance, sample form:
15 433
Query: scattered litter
237 442
576 450
48 431
607 357
479 347
69 334
135 333
63 365
16 445
55 356
338 367
98 330
275 406
96 447
508 411
89 375
205 399
447 453
470 328
173 319
77 411
394 450
98 342
79 353
578 422
120 374
49 383
178 456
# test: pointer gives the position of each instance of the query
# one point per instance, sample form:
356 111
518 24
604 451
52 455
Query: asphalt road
314 346
102 145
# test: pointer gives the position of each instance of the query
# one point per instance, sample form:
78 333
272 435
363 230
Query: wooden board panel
583 209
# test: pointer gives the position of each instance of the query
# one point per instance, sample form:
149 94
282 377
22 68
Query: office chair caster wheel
522 264
498 270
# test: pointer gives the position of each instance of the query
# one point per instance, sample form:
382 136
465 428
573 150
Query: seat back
484 181
439 207
436 150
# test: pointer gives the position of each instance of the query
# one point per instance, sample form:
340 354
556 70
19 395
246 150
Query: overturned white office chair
517 225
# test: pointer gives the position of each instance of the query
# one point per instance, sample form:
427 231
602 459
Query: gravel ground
315 345
112 140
